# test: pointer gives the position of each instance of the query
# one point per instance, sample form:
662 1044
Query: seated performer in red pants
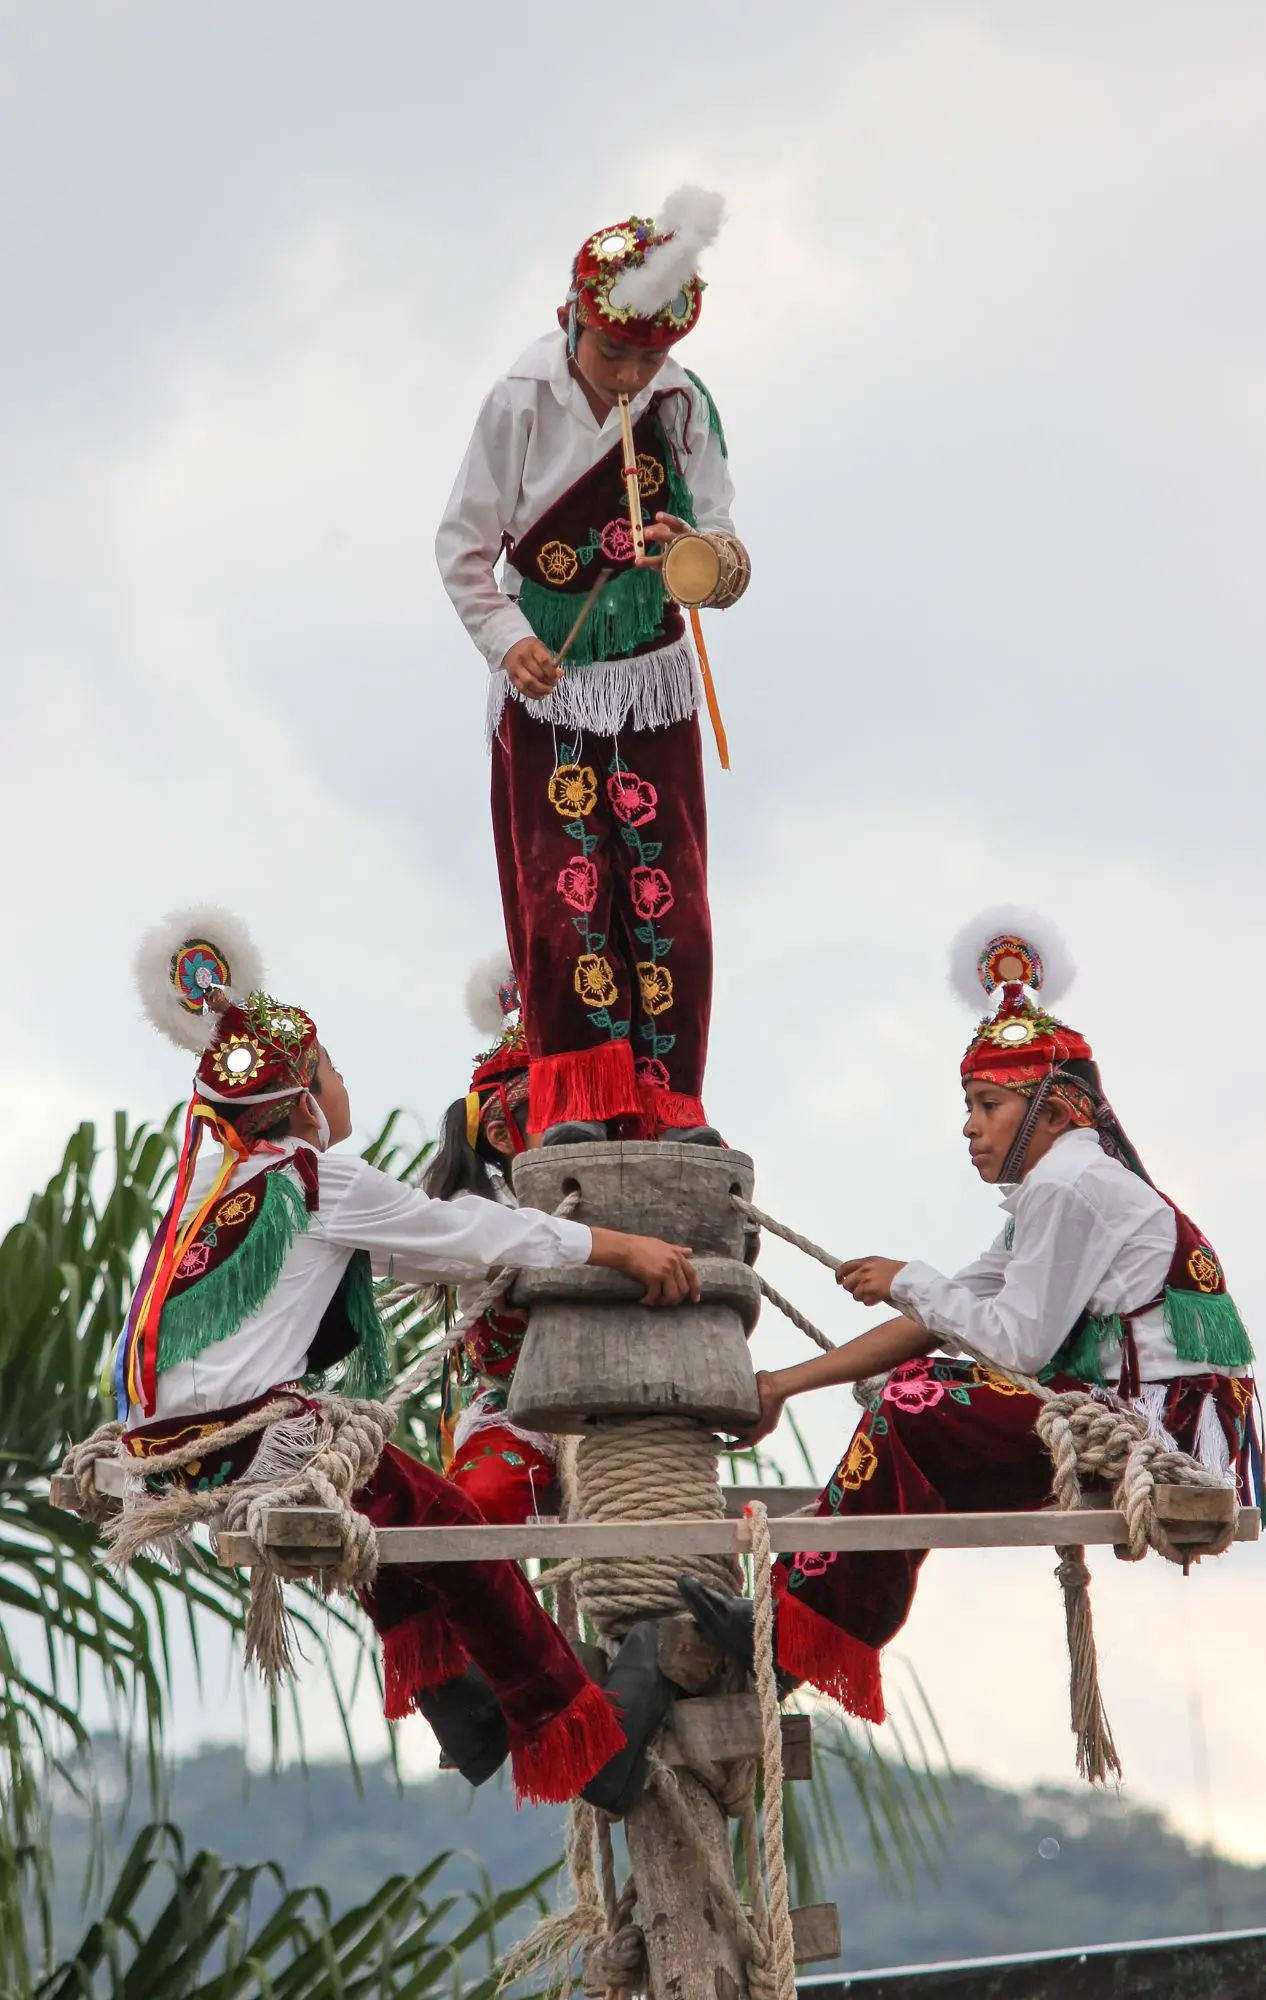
259 1281
598 805
1097 1281
505 1470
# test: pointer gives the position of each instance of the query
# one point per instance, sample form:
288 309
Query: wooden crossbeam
304 1532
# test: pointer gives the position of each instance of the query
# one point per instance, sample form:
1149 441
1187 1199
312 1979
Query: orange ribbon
709 691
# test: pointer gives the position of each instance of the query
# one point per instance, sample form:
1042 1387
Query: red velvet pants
434 1620
602 854
944 1437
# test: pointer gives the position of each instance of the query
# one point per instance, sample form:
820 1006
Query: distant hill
1021 1871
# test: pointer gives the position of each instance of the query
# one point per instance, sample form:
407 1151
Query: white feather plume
967 945
691 217
151 970
483 992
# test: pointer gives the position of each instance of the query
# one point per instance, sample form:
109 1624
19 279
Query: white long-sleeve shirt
1085 1234
405 1232
534 438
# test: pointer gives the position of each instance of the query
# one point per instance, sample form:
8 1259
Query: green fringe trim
1079 1355
1203 1326
219 1304
1206 1326
629 612
631 608
368 1370
714 415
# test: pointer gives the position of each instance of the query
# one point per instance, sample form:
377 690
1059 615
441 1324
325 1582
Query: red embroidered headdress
638 280
1019 1044
501 1072
256 1058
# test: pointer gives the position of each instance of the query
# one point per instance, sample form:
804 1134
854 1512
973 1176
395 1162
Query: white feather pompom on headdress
184 959
691 219
491 993
976 942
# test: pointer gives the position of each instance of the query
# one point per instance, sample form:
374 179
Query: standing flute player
598 806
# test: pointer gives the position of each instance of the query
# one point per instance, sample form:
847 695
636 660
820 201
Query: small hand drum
706 569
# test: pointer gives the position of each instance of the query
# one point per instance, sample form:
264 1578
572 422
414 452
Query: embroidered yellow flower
656 982
1202 1269
860 1463
557 563
235 1209
573 790
989 1379
650 474
594 980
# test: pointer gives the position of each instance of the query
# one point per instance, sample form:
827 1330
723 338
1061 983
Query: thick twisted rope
654 1468
779 1906
642 1469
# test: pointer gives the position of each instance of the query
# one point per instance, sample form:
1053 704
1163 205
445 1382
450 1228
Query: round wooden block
647 1187
591 1350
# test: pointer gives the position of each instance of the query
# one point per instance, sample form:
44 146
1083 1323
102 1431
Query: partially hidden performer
598 804
259 1282
505 1470
1096 1281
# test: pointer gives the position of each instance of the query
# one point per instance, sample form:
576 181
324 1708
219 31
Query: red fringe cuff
552 1764
670 1110
417 1654
589 1083
833 1660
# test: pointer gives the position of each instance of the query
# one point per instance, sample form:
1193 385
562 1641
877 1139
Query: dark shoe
642 1696
468 1724
730 1623
694 1135
576 1132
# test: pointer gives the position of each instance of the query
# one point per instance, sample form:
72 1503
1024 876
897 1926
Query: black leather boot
576 1132
468 1724
730 1623
642 1697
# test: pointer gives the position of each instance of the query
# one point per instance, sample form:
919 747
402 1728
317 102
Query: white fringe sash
645 691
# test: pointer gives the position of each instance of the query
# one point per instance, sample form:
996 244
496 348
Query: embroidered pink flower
653 1073
617 541
814 1565
578 883
652 892
912 1388
633 799
195 1261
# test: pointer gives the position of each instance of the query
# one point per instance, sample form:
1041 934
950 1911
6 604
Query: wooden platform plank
1092 1527
815 1933
717 1728
815 1937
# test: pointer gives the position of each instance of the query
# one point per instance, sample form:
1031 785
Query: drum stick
631 483
592 595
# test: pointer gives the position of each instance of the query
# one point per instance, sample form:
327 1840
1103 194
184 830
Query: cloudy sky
986 330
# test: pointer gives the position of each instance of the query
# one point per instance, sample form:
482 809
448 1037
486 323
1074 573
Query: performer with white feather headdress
597 784
259 1282
1097 1280
504 1469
